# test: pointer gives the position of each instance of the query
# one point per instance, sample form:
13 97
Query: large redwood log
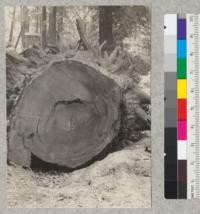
66 116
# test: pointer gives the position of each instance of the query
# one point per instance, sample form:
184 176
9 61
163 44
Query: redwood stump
65 116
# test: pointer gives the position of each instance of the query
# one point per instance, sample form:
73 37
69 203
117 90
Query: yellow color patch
181 89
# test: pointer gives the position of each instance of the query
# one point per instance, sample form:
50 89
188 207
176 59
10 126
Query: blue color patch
181 49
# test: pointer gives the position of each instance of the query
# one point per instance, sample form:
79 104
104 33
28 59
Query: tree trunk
12 26
73 110
52 27
24 23
70 121
44 28
59 105
60 19
37 20
105 27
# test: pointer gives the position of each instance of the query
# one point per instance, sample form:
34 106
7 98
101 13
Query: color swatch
181 107
170 73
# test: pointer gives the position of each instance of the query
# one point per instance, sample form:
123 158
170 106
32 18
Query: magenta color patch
182 130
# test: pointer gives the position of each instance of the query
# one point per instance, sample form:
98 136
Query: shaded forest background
127 27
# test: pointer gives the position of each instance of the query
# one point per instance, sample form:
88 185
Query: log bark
66 116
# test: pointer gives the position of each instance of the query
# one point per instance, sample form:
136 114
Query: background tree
106 27
60 18
131 28
37 28
128 27
44 27
24 23
12 26
52 26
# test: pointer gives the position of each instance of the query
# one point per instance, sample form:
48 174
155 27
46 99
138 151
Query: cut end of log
65 116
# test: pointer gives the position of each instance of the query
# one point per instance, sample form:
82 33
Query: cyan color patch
181 48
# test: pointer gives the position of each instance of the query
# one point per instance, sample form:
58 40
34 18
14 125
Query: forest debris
14 57
20 69
36 56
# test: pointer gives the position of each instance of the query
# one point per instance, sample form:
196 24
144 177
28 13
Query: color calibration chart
182 105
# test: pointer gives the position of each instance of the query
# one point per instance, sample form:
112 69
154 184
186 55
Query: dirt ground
122 179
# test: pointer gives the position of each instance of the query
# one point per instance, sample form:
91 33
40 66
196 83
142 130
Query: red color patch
182 109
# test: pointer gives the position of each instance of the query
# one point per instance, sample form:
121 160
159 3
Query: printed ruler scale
193 128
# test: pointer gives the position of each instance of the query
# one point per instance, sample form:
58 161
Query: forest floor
122 179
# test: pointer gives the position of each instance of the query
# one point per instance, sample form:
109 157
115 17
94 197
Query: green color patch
181 68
